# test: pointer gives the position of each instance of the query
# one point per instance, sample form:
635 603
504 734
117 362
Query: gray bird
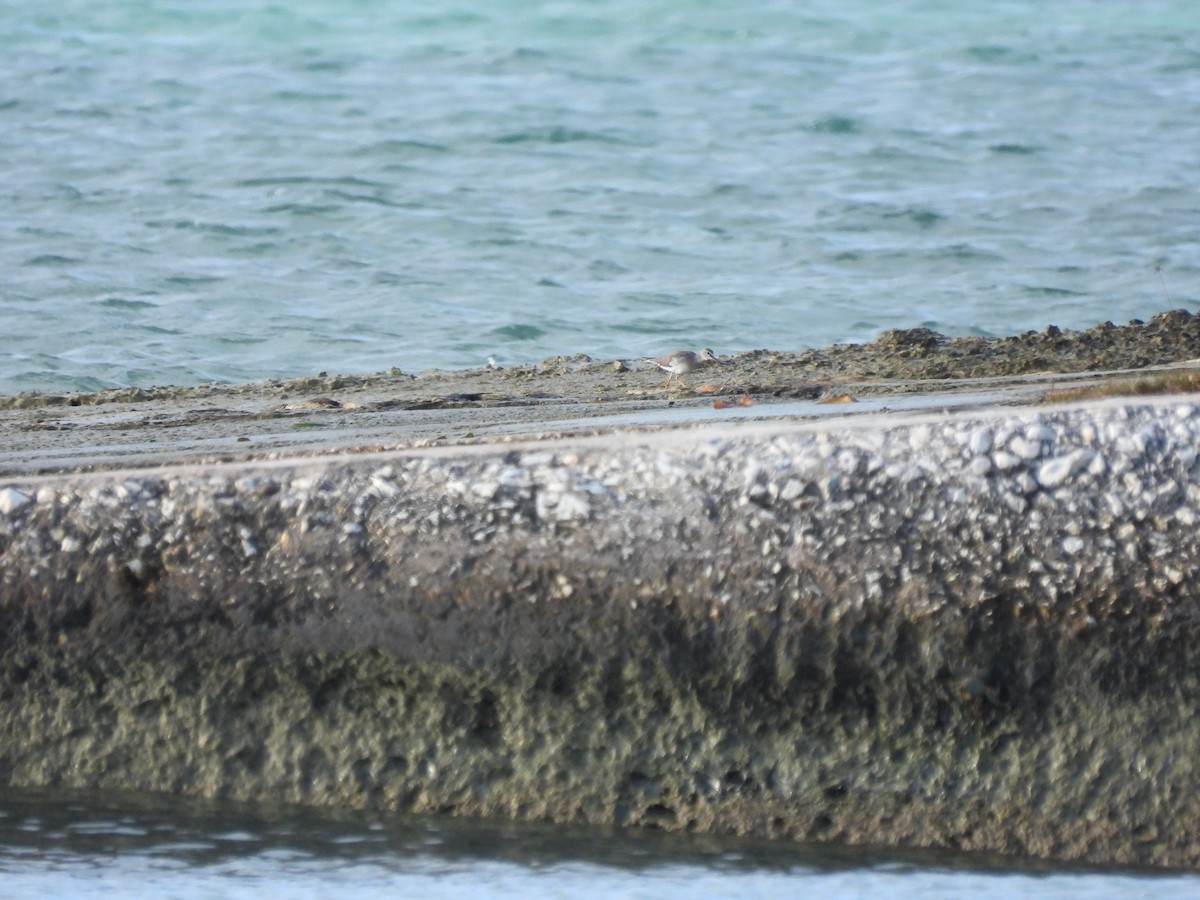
683 362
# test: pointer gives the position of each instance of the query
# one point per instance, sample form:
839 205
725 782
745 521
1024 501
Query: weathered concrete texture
972 632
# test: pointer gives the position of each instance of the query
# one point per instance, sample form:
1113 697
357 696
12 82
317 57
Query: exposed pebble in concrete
12 500
980 440
1054 472
1025 448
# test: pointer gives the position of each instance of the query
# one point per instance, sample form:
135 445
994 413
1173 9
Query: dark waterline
77 843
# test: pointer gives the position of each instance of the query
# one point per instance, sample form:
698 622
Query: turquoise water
220 190
60 844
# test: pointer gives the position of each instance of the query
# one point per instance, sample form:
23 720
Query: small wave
289 96
1048 291
835 125
400 148
51 259
518 332
85 112
328 65
1000 53
926 218
369 198
122 303
606 269
303 209
396 278
192 280
558 135
215 227
290 180
239 340
963 251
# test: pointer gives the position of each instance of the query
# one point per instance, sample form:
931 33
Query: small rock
1025 448
1014 503
1005 461
486 489
920 437
12 500
791 490
1054 472
980 466
383 486
572 506
980 441
1042 434
563 588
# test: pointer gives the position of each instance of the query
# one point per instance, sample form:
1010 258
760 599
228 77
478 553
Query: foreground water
63 843
230 191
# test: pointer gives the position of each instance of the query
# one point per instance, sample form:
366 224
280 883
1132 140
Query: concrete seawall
971 631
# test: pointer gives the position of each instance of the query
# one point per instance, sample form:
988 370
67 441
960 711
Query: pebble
571 506
1054 472
12 500
980 441
1005 461
1025 448
791 490
981 466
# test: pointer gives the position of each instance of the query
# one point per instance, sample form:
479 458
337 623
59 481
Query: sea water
216 190
81 845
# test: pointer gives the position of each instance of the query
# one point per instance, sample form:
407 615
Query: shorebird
681 362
